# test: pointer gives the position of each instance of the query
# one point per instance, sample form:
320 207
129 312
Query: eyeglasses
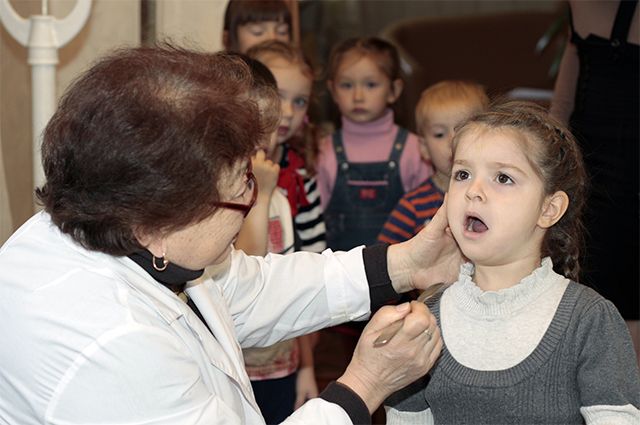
252 185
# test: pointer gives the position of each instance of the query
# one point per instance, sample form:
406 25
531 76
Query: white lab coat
88 338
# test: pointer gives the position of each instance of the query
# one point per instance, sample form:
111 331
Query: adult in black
597 92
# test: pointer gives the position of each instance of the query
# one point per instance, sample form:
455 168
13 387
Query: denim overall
363 196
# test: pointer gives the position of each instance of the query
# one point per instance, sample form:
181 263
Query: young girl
524 343
367 165
250 22
296 148
282 375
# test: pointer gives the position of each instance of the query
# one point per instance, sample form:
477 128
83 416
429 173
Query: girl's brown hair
555 155
306 144
383 53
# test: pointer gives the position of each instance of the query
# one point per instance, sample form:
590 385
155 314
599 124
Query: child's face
495 199
361 90
256 32
438 131
295 89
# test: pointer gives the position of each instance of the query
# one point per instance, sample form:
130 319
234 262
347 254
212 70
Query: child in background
296 148
250 22
523 342
366 166
281 375
441 108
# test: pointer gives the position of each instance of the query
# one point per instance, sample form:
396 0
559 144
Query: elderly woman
148 182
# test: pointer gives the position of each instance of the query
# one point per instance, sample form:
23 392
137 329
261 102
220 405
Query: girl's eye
504 179
371 85
282 30
300 102
256 30
461 175
345 85
438 135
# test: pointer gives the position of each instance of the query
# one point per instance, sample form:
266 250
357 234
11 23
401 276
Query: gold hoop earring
154 262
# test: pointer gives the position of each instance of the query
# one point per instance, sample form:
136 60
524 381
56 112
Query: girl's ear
553 209
396 90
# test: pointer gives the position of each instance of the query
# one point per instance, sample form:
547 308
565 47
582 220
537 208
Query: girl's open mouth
475 224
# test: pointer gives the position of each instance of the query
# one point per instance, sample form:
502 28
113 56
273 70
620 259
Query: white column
43 35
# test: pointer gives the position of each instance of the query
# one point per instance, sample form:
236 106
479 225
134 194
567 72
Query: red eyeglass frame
243 208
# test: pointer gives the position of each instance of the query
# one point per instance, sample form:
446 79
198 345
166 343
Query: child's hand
306 387
266 172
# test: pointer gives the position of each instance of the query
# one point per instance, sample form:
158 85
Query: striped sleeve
400 224
309 222
413 211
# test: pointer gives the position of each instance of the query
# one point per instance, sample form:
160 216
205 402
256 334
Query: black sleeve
344 397
381 291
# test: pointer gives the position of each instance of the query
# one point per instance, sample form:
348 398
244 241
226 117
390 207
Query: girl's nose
475 191
286 109
271 34
358 93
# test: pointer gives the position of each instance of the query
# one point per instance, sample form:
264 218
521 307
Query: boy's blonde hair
450 91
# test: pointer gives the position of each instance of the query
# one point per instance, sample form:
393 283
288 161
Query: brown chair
496 50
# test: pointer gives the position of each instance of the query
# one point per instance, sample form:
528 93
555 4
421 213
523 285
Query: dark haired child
250 22
367 165
523 342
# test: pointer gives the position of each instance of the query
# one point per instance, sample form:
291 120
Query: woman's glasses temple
244 208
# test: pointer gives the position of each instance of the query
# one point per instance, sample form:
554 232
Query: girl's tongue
476 225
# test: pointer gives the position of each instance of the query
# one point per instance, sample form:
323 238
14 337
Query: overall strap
338 147
398 145
622 24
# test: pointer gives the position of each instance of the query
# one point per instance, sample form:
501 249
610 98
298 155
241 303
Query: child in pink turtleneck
366 166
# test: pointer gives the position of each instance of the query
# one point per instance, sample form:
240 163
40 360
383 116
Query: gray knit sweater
585 358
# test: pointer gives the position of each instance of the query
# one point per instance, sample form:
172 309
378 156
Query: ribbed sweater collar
382 126
505 302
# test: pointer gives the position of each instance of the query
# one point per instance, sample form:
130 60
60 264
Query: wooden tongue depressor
390 331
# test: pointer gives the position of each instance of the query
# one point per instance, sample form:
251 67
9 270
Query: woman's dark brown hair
142 141
242 12
555 155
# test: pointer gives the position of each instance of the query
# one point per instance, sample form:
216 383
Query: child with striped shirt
441 108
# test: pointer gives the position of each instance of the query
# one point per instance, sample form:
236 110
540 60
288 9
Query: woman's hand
266 172
430 257
376 372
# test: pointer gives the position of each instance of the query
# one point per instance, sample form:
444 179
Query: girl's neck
276 156
441 180
495 278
